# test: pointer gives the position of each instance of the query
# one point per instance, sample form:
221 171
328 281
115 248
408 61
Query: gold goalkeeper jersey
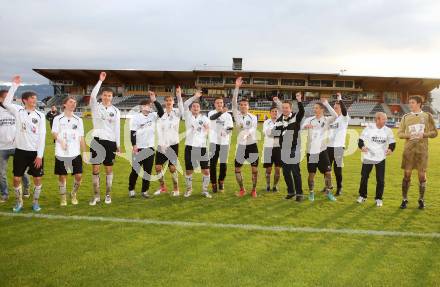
414 123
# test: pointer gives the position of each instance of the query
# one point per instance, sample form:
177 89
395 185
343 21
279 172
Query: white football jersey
145 128
377 141
270 140
219 129
338 131
106 120
70 130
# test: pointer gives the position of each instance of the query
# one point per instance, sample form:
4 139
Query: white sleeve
94 95
42 138
7 102
266 129
390 136
180 106
133 123
81 128
305 122
55 125
364 134
230 122
279 107
118 129
186 105
330 109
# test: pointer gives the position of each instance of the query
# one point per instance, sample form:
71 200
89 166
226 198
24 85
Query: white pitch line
249 227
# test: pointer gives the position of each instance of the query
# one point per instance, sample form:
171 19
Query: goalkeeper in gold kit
416 127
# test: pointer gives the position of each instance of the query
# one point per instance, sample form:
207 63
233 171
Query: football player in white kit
271 147
143 136
168 141
30 141
196 154
376 143
106 138
317 157
220 130
68 133
247 149
336 140
7 143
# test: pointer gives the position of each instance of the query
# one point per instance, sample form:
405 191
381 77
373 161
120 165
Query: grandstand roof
89 76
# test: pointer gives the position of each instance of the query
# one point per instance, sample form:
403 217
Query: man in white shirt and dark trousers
7 143
106 138
247 149
287 129
30 141
220 130
271 147
376 142
196 155
168 141
317 156
143 135
68 133
336 141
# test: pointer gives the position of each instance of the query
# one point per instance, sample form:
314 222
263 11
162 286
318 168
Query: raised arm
279 104
341 103
157 105
10 95
237 118
180 101
95 91
191 100
329 108
300 114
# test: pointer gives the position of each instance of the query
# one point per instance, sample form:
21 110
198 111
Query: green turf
42 252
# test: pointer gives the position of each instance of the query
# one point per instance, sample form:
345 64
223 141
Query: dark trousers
380 178
292 176
217 152
143 159
335 155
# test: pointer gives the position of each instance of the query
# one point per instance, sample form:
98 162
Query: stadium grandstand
363 95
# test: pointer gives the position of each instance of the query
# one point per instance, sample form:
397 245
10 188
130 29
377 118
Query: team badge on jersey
34 120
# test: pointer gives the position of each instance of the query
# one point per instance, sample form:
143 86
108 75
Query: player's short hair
287 102
416 98
169 97
273 107
28 94
244 99
3 93
321 105
145 102
107 90
381 115
195 102
219 98
66 99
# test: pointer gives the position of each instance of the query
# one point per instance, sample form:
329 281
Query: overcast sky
377 37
